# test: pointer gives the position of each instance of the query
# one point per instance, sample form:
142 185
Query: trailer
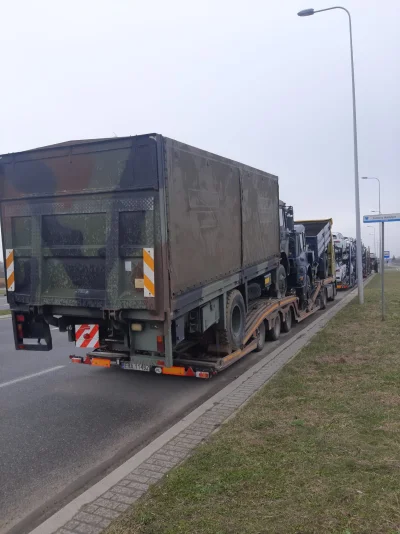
266 319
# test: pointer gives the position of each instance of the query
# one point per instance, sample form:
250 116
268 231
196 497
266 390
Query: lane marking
44 372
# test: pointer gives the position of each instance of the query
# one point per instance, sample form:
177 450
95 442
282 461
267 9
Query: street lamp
379 187
379 197
307 13
374 234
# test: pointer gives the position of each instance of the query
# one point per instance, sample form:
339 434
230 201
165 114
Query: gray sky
247 80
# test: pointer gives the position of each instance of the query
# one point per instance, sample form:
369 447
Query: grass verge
317 450
5 312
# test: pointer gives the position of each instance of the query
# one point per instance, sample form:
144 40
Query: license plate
136 366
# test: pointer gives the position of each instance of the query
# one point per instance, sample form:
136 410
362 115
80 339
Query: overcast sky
247 80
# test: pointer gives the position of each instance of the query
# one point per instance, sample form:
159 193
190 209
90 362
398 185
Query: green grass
316 451
4 312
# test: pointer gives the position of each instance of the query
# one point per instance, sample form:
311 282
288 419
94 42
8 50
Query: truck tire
275 332
287 325
260 337
322 299
235 313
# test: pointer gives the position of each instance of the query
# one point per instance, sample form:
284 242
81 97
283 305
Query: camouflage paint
78 216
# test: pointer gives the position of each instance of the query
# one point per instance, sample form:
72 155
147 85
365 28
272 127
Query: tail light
160 344
20 330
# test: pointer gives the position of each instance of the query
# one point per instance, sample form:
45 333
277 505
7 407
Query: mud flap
27 327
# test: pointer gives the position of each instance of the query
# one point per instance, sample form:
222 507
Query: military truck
150 254
307 254
145 241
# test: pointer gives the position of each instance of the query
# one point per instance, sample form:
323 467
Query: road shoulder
106 500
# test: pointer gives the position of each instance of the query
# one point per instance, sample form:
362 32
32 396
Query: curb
92 511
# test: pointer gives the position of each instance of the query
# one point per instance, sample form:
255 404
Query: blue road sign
381 217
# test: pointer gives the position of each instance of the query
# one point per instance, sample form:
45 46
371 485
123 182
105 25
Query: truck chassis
189 361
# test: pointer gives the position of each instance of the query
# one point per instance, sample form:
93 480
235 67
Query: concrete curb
93 510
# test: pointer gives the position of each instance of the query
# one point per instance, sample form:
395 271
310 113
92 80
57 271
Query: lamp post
379 205
307 13
381 244
374 234
379 236
379 187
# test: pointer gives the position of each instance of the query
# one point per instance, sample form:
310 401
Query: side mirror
290 218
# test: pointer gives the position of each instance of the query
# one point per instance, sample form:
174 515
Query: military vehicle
307 253
151 254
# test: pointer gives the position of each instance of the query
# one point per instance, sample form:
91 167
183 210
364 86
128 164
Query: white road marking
45 371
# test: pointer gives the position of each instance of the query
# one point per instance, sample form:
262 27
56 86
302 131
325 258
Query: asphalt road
64 426
3 303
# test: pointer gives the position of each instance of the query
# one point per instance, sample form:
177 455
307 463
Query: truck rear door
79 220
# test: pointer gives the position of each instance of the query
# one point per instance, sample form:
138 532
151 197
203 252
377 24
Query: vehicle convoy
154 255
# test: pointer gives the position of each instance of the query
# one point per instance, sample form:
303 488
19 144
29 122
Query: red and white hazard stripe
10 269
148 272
87 336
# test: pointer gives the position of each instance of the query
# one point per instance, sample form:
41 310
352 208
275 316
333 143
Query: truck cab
286 229
302 264
296 258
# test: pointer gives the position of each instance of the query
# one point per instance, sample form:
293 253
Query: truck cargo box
130 224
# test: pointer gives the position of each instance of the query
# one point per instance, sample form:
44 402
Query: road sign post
382 218
383 269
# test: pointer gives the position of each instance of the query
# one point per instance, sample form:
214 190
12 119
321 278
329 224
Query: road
64 426
3 303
